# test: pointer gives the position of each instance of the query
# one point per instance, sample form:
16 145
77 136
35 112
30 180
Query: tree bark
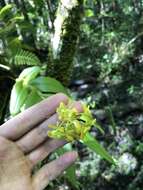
65 38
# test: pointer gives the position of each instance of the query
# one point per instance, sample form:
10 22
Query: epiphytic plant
74 126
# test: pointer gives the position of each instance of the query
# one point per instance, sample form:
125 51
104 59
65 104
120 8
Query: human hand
24 143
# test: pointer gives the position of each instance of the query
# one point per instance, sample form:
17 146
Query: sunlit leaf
89 13
29 73
48 84
5 10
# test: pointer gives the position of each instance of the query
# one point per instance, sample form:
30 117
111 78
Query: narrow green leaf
93 144
100 129
17 18
48 85
5 10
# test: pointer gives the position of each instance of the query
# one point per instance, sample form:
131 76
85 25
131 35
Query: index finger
24 122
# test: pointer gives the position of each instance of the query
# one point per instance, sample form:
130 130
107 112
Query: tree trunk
64 40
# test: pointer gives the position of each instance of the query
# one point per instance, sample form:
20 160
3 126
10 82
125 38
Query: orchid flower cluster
72 125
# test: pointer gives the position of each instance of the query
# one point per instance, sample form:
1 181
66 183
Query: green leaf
5 10
89 13
93 144
99 128
33 98
29 74
48 85
18 96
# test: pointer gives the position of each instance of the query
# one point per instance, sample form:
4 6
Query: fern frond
23 57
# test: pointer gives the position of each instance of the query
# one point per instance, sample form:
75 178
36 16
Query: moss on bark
67 31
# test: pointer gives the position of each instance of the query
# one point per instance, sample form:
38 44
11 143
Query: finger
53 170
39 134
24 122
44 150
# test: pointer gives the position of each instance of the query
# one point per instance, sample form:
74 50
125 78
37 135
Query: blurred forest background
95 49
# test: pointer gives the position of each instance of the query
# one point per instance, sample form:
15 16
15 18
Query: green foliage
8 19
22 89
109 37
4 11
13 51
48 85
26 91
29 74
23 57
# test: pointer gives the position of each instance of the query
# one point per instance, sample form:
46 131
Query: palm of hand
14 166
24 143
